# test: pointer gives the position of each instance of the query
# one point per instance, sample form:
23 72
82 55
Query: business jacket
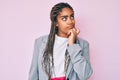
79 67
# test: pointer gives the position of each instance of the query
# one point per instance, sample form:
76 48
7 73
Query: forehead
66 11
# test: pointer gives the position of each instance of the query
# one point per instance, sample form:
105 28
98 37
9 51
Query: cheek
61 24
74 22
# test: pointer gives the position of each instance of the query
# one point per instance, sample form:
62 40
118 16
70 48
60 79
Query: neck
62 35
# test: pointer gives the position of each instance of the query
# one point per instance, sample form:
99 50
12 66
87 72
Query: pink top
58 78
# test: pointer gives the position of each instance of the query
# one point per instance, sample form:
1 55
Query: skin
66 25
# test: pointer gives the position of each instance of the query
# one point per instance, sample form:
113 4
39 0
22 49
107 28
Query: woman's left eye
72 17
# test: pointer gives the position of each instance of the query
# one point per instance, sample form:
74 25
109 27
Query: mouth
70 27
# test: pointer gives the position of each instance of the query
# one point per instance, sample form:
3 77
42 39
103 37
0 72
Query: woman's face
65 22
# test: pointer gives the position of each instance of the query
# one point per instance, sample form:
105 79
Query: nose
69 22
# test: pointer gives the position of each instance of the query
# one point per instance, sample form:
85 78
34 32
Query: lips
70 27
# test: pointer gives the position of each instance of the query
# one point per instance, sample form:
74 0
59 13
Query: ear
56 24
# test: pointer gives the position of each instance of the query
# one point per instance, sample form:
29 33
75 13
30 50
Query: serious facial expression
65 22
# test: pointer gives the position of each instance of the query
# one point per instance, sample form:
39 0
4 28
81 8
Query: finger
74 29
78 30
68 34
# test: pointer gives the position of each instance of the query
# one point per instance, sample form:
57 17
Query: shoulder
44 37
41 39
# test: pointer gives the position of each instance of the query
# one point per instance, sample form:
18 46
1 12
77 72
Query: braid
48 52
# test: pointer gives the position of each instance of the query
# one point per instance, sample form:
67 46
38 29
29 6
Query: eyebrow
67 15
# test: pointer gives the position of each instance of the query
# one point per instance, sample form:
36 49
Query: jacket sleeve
80 60
33 73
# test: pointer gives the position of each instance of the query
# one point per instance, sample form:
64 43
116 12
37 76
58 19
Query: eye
64 18
72 17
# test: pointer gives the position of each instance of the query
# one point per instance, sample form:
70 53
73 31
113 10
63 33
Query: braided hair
48 51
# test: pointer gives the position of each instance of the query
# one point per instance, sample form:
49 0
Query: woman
61 55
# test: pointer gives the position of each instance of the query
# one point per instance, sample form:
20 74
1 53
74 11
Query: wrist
70 43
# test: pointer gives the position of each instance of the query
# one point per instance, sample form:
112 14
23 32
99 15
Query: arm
80 60
33 73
